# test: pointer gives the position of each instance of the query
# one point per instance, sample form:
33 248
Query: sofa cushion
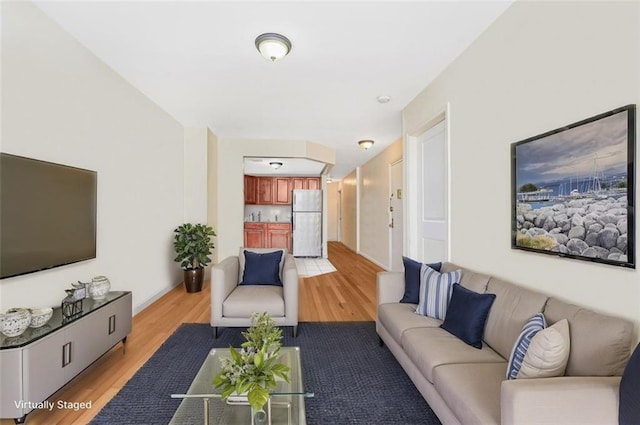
600 344
512 308
397 318
529 330
477 282
241 258
629 409
262 268
431 347
248 299
412 279
548 352
435 291
472 390
467 315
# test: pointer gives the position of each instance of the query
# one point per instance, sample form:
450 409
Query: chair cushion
629 411
467 315
398 317
412 279
248 299
260 251
262 269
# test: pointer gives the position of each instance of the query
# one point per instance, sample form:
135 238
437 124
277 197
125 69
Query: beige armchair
232 304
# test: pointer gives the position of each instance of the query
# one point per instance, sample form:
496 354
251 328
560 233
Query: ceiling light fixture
273 46
365 144
383 99
275 164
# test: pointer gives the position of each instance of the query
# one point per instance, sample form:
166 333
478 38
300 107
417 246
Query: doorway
395 217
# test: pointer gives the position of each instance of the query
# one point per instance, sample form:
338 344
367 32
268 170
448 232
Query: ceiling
290 167
197 61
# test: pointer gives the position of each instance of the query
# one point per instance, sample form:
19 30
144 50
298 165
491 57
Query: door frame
390 260
411 171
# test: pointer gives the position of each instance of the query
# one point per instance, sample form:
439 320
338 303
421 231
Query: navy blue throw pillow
466 315
262 269
629 410
412 279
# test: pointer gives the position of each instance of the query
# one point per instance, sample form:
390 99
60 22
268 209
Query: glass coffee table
202 403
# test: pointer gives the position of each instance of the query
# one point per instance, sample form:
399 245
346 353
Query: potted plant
253 370
193 245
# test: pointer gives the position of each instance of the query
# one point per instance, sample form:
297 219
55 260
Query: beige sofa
465 385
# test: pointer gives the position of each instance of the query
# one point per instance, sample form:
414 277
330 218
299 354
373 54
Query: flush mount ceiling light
365 144
273 46
275 164
383 99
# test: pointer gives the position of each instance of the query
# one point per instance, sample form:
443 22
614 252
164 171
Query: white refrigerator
306 226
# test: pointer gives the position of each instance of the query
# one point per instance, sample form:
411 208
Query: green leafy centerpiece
253 369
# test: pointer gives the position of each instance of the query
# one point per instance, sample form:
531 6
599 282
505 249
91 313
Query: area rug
355 381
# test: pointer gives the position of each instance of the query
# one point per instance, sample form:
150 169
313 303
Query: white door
433 194
395 217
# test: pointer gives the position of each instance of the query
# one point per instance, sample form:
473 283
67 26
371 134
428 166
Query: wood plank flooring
345 295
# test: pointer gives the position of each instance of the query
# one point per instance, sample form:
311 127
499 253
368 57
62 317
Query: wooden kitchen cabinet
255 235
305 183
313 183
281 190
265 191
279 235
297 183
250 190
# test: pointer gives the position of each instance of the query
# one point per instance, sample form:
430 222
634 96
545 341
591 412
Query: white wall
374 205
61 104
230 185
212 188
349 215
333 218
195 174
540 66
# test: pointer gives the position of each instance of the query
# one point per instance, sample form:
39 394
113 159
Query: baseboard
137 309
377 263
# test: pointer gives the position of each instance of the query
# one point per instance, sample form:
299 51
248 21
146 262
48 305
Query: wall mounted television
573 190
47 215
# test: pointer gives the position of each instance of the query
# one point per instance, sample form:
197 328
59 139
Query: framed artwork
573 190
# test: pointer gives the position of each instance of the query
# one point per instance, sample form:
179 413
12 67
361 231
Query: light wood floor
345 295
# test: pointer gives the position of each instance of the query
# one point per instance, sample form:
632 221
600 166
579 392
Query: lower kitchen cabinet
267 235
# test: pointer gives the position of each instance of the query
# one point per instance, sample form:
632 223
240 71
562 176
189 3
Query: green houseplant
193 245
253 369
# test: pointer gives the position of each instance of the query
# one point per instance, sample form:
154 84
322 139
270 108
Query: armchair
233 303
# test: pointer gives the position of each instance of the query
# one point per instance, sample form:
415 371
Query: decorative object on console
412 279
99 287
15 321
81 289
586 172
40 316
71 306
467 314
435 291
193 245
253 370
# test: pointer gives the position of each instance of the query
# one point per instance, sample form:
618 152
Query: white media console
39 362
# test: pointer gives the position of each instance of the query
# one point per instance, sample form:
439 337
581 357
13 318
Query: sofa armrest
564 400
224 279
389 287
290 289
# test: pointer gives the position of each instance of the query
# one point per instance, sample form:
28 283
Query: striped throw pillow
529 330
435 291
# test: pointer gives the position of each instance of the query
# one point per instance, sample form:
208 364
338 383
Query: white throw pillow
548 352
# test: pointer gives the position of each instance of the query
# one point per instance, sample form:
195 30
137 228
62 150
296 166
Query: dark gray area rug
355 381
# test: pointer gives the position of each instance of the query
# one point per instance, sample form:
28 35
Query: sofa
466 385
233 303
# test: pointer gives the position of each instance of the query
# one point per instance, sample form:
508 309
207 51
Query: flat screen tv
573 190
47 215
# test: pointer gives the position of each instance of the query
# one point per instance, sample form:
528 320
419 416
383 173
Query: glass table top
287 399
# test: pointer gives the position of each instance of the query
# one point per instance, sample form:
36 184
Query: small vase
259 417
99 287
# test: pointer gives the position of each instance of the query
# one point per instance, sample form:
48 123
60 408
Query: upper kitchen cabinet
250 189
305 183
265 191
281 190
313 183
